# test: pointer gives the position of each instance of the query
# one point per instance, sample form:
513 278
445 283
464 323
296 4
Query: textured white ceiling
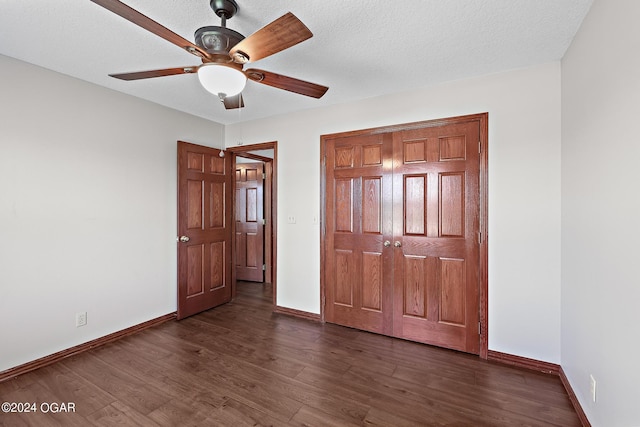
360 48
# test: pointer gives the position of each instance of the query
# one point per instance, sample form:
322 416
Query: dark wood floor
240 364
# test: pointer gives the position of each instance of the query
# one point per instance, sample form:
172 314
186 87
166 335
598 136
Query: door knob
184 239
397 244
387 243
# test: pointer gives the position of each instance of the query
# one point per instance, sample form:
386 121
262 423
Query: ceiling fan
224 52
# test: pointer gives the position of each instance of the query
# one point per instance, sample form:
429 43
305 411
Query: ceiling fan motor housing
217 40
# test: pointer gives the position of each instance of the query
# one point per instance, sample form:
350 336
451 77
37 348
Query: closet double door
401 243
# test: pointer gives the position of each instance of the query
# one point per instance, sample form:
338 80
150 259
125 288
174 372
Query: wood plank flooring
241 364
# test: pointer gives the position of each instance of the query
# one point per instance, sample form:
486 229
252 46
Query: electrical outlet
592 388
291 219
81 319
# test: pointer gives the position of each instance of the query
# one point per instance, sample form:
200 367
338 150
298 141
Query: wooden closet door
418 190
358 267
436 226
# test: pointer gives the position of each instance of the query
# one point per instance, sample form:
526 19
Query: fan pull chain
240 142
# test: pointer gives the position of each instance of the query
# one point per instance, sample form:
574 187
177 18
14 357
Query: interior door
358 198
204 228
436 225
249 185
401 244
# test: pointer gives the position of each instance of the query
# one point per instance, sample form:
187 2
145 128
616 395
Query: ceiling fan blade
154 73
287 83
277 36
149 24
233 102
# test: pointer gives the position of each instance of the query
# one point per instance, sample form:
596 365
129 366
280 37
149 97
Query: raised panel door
204 258
358 268
401 251
436 225
249 216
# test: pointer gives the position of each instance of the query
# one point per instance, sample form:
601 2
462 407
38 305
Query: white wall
600 212
524 194
87 209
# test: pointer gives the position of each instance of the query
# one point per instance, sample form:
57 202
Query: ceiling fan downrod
225 9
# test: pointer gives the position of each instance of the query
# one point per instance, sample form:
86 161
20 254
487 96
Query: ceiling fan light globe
220 79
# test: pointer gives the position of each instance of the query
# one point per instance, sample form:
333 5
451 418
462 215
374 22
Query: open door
204 228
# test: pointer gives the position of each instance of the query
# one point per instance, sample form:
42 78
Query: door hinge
264 176
264 267
479 328
264 221
479 237
479 146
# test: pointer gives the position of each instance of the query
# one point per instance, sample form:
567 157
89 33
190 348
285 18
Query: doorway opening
254 216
